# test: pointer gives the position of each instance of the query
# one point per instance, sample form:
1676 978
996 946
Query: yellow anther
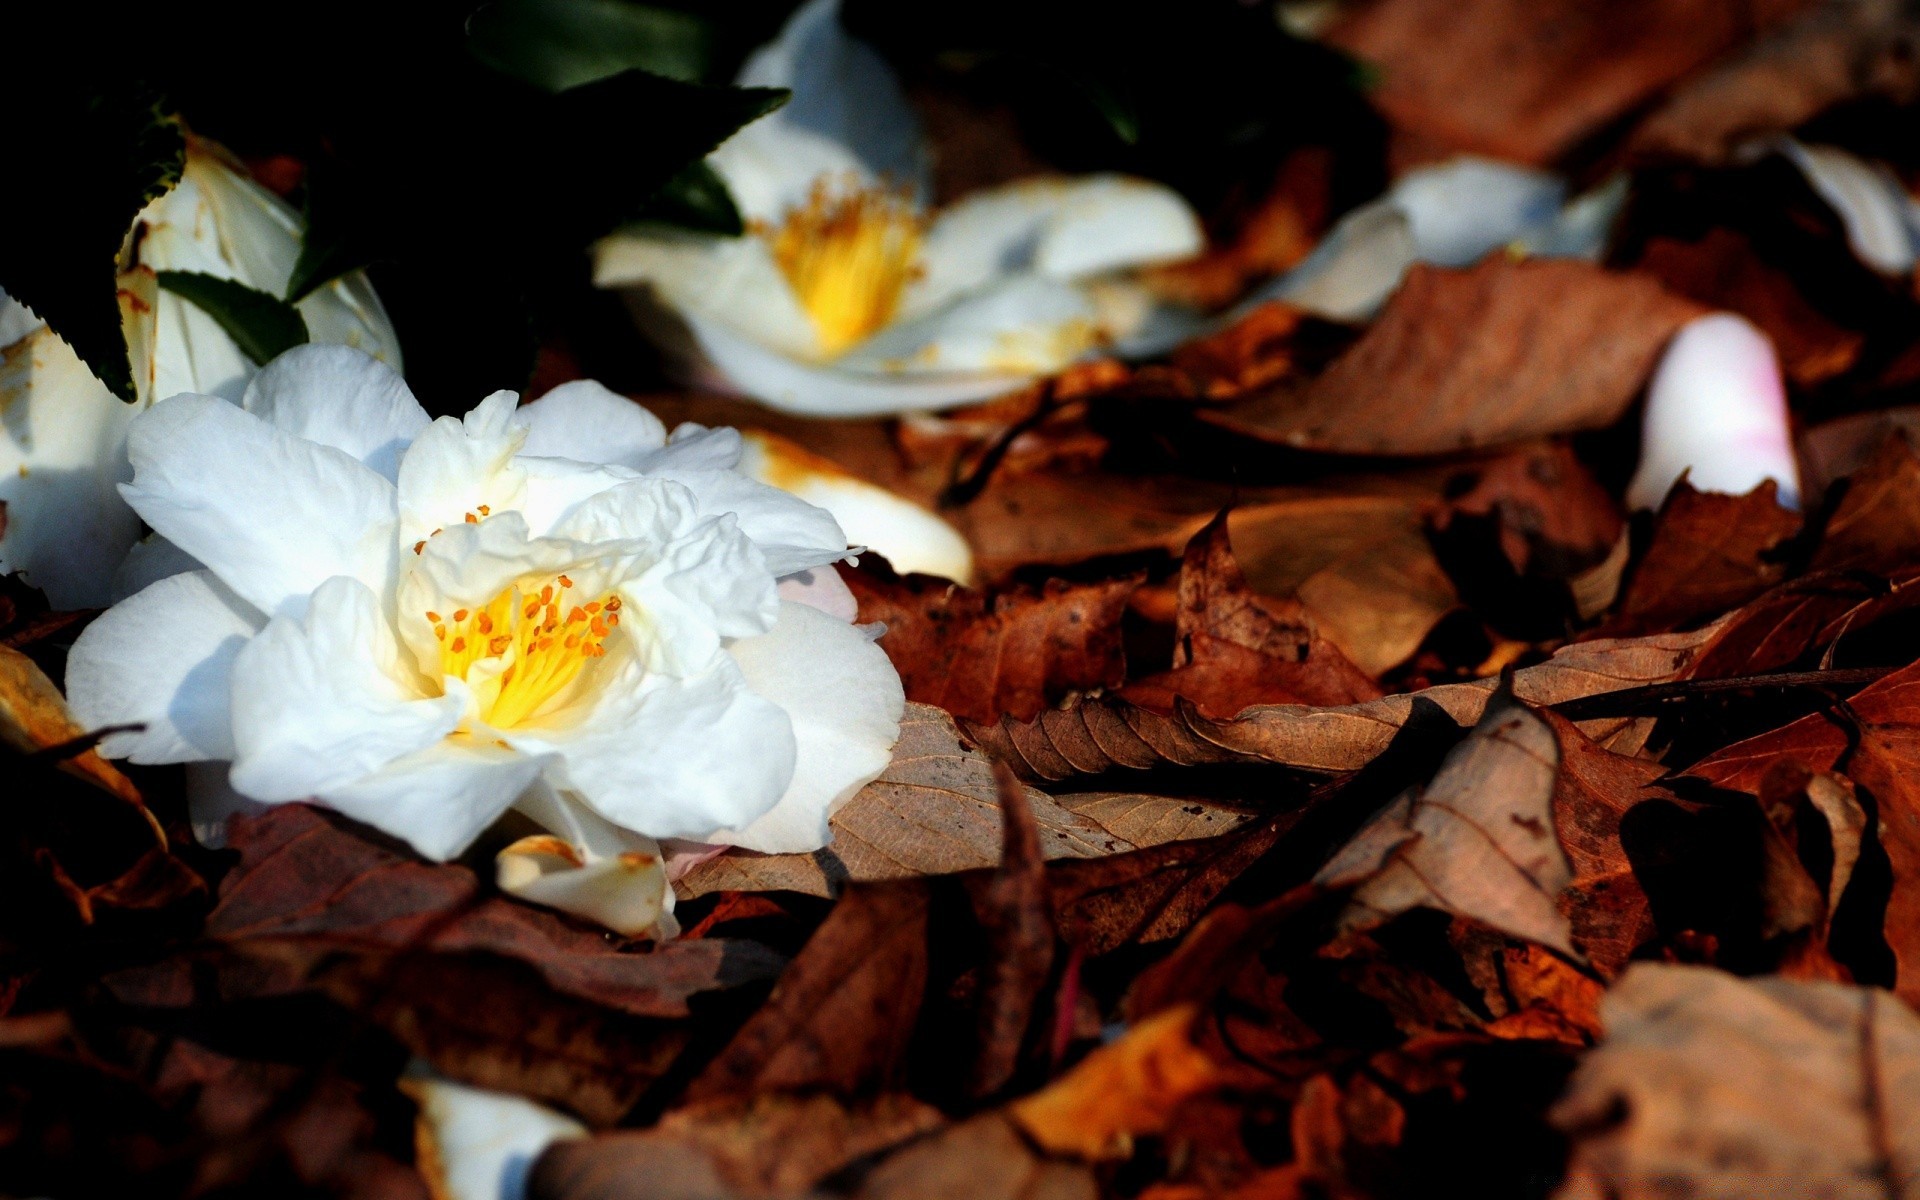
485 511
848 257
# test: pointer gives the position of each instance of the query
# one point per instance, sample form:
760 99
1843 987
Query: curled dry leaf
1478 841
1874 736
1717 1087
34 717
1495 353
935 811
979 654
1528 79
1835 51
1096 736
1121 1090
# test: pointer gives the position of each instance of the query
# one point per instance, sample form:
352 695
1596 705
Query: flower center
530 646
848 258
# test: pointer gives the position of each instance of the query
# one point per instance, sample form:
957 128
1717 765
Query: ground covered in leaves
1329 788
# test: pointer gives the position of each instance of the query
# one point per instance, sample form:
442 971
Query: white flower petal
1352 271
270 514
459 466
342 398
695 447
1461 209
438 799
162 658
327 699
845 701
1062 228
730 282
1717 411
553 488
715 754
1022 326
63 443
821 588
848 115
586 866
791 532
912 538
1870 202
480 1145
152 559
588 422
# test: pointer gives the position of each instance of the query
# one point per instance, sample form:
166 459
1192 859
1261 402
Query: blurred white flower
419 623
847 296
1717 412
1451 214
63 434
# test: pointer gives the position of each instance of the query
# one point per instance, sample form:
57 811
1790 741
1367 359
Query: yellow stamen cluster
849 258
543 638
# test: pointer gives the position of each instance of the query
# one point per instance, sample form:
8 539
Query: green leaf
559 44
697 199
1120 116
96 159
262 325
507 174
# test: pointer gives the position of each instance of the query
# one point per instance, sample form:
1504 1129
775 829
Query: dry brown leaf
934 811
1530 79
1722 271
1491 354
979 654
1594 790
980 1159
768 1146
1234 649
1875 738
1834 449
1478 841
1014 911
1280 231
34 717
1710 553
1876 526
842 1013
1361 565
1121 1090
1099 735
1725 1089
1838 51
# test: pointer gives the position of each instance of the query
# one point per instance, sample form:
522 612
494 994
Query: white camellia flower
848 297
63 438
419 623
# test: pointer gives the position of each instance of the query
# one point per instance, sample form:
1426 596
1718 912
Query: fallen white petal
1716 411
911 538
480 1145
1869 201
